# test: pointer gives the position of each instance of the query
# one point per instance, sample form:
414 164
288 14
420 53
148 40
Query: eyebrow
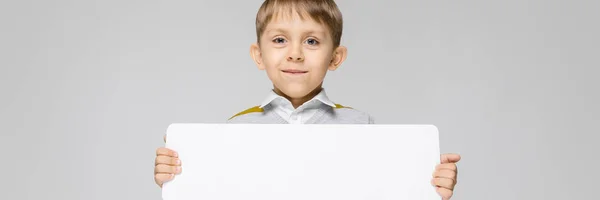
280 30
277 30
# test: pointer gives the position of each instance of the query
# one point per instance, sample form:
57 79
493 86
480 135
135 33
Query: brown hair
323 11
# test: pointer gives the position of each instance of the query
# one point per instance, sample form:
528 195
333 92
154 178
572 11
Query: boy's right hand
166 165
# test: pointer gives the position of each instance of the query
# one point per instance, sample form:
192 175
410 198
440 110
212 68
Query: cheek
272 61
272 58
319 65
319 60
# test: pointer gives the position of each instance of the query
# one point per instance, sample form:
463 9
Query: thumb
450 158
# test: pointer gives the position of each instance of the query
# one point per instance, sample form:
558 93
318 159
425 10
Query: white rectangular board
303 162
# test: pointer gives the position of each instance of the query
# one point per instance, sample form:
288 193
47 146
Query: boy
298 41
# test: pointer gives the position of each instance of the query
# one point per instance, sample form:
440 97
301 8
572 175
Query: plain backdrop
88 88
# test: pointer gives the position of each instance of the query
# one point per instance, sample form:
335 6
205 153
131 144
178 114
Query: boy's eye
312 42
279 40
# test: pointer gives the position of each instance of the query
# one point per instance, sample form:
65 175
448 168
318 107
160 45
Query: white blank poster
303 162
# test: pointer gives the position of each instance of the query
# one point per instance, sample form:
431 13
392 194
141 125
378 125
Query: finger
443 182
445 173
449 158
167 169
167 160
166 152
448 166
444 193
165 138
162 178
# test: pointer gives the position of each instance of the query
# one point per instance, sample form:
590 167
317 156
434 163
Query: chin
295 92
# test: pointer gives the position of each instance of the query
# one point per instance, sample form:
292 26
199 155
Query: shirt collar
321 97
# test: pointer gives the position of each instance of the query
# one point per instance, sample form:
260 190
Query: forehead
297 20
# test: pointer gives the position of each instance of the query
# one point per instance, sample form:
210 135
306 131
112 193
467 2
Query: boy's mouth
293 71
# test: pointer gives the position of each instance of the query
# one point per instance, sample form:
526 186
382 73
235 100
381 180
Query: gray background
89 87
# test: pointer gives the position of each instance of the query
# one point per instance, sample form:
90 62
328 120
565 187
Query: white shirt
304 112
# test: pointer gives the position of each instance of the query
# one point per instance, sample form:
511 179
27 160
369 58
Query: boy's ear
339 55
256 56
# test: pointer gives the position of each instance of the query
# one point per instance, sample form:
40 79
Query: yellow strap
259 109
249 110
341 106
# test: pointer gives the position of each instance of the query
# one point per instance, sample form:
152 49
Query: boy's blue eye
312 42
278 40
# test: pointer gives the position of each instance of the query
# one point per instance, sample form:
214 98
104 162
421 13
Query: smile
294 71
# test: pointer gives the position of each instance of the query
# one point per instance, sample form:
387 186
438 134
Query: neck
297 102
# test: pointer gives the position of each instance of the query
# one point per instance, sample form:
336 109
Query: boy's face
296 54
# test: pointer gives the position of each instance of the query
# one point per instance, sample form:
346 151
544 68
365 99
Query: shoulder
252 110
353 115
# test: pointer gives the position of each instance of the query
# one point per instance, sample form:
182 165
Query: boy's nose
295 54
295 58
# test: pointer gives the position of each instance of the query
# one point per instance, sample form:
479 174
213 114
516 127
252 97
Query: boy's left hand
444 177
